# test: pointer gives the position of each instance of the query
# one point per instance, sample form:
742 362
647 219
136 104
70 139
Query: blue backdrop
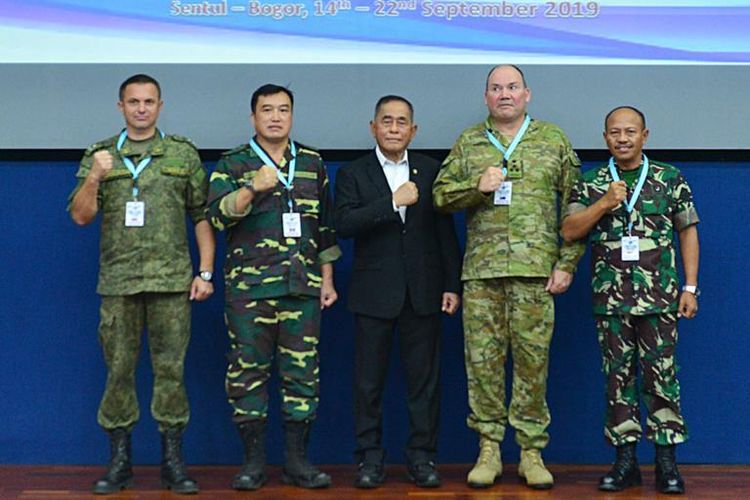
52 373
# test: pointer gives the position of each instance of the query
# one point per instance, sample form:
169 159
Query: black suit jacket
391 257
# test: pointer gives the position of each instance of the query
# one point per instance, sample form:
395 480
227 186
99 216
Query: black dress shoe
370 476
424 475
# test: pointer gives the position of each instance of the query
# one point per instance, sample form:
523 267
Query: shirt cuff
228 206
329 255
685 219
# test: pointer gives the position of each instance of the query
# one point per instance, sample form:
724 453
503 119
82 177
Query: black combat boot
297 470
252 475
120 471
668 478
173 473
624 472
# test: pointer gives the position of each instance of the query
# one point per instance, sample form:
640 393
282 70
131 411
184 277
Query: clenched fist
406 195
103 162
491 180
265 179
615 195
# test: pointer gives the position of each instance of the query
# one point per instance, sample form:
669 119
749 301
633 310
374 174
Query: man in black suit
406 271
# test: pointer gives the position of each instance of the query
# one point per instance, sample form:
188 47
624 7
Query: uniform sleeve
197 189
222 191
579 198
570 253
450 253
83 171
453 188
328 249
684 212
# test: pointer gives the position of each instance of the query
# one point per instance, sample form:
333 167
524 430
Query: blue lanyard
135 171
630 205
289 179
513 144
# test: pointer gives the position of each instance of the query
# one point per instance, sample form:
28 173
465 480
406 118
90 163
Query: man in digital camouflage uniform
272 198
144 183
508 172
631 208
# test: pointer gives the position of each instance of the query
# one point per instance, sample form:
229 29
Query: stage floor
571 482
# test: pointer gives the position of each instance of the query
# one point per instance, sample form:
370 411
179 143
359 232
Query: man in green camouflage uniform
273 200
144 183
507 172
635 291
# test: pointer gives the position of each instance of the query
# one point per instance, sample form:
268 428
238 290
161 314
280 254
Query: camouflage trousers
498 314
651 340
286 328
166 317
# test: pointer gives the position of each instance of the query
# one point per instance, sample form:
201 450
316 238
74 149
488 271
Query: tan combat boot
489 467
532 469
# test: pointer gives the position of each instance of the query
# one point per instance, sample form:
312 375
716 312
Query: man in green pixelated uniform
508 172
630 208
145 183
272 198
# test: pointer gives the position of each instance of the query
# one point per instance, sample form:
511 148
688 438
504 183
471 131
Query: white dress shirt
396 173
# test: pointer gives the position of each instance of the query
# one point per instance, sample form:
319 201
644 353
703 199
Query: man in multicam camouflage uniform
630 208
272 198
507 172
144 183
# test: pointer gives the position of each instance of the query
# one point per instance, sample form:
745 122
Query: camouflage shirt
155 257
260 261
520 240
649 285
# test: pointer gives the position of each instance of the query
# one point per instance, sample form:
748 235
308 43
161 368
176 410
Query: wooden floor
571 481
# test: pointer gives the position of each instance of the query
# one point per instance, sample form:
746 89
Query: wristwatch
206 275
249 186
692 289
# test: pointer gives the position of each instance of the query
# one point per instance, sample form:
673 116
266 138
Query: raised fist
615 195
265 179
491 180
103 162
407 194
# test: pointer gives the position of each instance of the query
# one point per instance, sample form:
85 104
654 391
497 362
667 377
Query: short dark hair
523 77
394 98
631 108
269 89
139 78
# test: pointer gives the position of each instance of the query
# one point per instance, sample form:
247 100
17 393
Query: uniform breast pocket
175 175
306 200
656 217
116 189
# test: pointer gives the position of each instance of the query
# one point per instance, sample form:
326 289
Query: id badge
504 193
135 212
630 249
292 225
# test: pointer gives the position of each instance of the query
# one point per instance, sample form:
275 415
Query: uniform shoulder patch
664 166
98 146
183 139
591 174
306 149
238 149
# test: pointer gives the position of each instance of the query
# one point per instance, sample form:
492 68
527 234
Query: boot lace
487 453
